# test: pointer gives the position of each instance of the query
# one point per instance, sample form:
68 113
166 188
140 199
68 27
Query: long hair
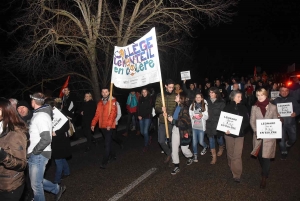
183 101
202 102
11 120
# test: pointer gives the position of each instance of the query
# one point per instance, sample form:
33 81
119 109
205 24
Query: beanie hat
23 103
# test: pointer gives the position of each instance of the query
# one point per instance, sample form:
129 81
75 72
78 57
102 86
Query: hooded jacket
40 132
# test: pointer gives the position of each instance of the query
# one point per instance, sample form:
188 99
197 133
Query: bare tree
89 29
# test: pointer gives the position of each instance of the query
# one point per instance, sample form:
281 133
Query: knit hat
23 103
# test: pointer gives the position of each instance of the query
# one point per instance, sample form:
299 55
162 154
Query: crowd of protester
183 117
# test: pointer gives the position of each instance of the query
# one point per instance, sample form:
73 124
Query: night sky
263 33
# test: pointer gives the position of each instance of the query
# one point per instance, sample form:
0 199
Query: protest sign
285 109
185 75
137 64
230 122
268 128
274 94
58 119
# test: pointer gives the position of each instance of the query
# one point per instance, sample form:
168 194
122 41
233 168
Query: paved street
200 181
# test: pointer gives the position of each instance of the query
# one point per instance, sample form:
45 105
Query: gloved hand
3 154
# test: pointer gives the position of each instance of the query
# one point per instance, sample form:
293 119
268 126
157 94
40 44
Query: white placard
58 119
137 64
285 109
230 122
274 94
185 75
268 128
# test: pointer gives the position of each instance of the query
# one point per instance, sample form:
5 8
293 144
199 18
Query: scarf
131 100
262 106
213 100
105 99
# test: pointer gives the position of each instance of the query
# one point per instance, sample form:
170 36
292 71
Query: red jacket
103 117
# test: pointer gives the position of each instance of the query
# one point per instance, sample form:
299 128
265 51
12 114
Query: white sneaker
204 150
175 171
195 158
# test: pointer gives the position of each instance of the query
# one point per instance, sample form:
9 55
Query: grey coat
269 145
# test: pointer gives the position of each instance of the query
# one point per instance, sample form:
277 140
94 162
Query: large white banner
230 122
285 109
268 128
137 64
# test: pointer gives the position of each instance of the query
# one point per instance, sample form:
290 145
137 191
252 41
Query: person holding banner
215 105
181 132
169 97
235 143
264 149
289 134
199 114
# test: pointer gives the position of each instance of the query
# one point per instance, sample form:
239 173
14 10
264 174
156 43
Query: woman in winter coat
181 132
215 105
88 112
13 143
61 147
264 149
235 143
199 114
144 113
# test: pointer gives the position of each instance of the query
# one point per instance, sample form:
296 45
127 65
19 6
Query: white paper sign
137 64
285 109
268 128
274 94
58 119
185 75
230 122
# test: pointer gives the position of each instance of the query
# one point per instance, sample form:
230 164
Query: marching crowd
186 117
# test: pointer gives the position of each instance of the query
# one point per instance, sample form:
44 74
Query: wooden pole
110 96
164 105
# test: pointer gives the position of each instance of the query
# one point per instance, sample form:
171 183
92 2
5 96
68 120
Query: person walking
170 105
13 143
39 150
61 147
105 116
289 134
264 149
144 113
215 105
235 143
199 114
181 132
88 112
131 106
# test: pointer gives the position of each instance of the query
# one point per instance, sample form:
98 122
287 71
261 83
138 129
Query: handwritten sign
285 109
58 119
185 75
268 128
274 94
230 122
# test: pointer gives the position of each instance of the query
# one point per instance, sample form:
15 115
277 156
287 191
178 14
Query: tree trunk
94 74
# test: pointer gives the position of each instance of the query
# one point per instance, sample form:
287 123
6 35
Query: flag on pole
136 64
64 86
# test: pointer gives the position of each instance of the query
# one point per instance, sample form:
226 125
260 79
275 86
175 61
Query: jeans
62 166
212 142
290 132
131 119
198 137
37 165
108 145
162 138
144 128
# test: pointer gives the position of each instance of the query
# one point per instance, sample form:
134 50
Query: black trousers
88 134
107 134
265 163
14 195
